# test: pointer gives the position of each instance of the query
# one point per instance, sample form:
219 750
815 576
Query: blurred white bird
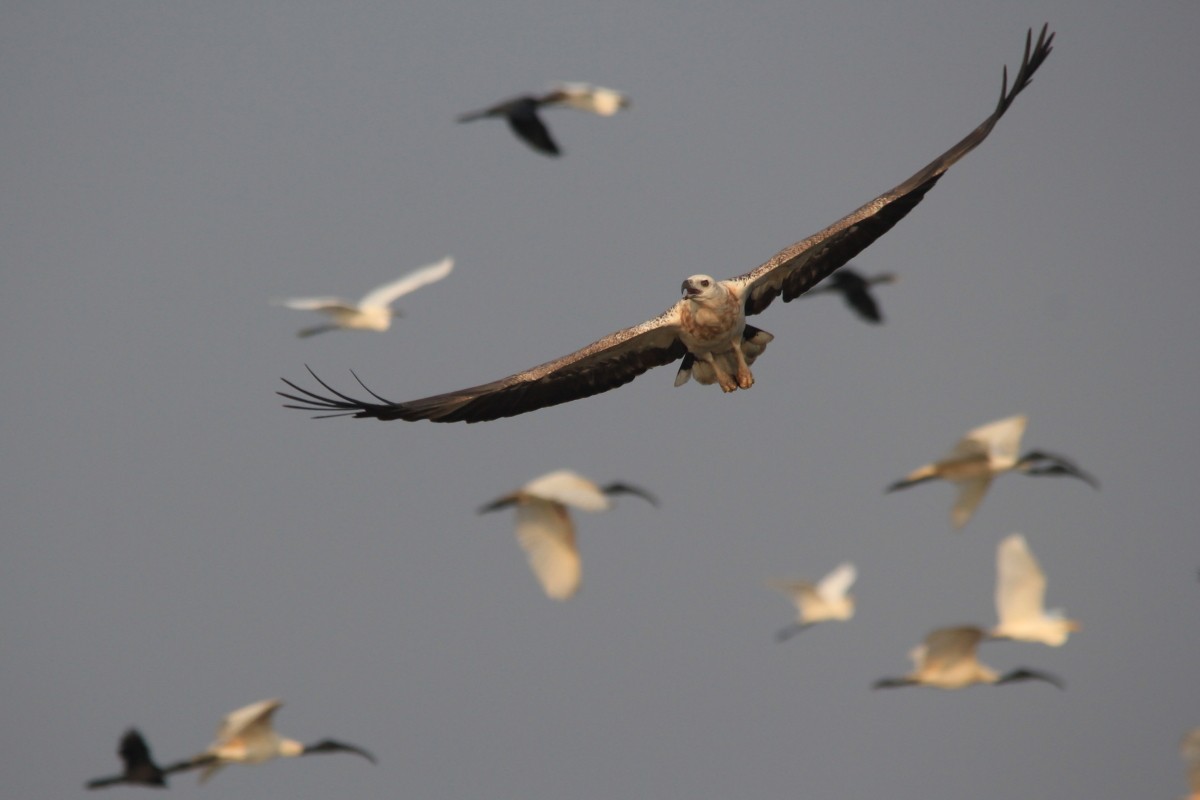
947 660
981 455
544 527
373 312
521 112
139 767
1189 750
1020 598
827 600
247 737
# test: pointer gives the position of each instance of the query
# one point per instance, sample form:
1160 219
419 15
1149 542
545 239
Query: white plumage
827 600
1020 598
545 529
374 311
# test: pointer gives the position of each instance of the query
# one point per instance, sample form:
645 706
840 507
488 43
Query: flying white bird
1020 598
246 736
855 289
947 660
827 600
981 455
544 527
707 328
522 117
1189 750
140 769
374 312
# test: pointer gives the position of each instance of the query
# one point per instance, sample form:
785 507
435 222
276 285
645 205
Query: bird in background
855 289
545 530
828 599
521 112
947 659
1020 598
374 311
1189 751
139 767
980 456
706 329
246 736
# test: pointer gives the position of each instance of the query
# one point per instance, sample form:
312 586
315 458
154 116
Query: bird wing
1020 582
546 534
970 495
796 269
526 124
834 586
856 291
133 750
316 303
250 720
803 594
946 647
385 295
603 365
569 488
1000 441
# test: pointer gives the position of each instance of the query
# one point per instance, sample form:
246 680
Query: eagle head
700 288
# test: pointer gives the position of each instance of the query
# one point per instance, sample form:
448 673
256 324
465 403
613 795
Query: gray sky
177 545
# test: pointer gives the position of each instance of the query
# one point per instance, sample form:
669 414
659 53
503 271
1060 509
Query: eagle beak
688 289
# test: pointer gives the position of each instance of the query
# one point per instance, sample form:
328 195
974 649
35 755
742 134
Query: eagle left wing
796 269
605 364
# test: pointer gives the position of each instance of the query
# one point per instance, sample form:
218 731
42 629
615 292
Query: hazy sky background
177 545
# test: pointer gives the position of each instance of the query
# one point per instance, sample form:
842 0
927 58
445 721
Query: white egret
828 599
1020 598
374 311
947 660
980 456
544 527
246 736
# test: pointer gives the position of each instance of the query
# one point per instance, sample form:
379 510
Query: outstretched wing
315 303
526 124
605 364
385 295
798 268
1020 582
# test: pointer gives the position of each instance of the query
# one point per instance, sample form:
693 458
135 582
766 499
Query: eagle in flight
707 328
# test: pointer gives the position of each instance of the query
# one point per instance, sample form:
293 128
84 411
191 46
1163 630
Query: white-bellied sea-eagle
706 328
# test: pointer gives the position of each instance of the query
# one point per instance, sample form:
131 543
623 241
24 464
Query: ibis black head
331 746
1039 462
626 488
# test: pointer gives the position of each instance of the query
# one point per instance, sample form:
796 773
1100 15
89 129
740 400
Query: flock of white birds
947 658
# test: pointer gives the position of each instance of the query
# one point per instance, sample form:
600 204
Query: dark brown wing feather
606 364
798 268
